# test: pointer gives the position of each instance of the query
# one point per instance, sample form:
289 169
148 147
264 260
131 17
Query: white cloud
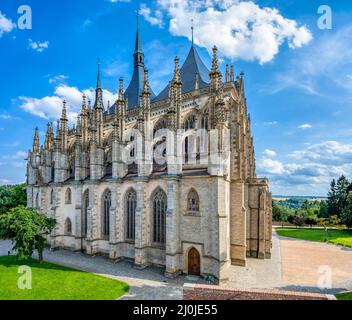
38 46
271 123
269 153
156 19
18 164
6 25
270 166
328 59
17 155
6 116
240 29
4 182
305 126
311 169
50 107
60 78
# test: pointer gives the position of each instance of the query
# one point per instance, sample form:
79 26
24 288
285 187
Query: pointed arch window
85 206
190 123
130 211
193 202
36 204
68 196
205 122
68 227
106 214
52 196
159 216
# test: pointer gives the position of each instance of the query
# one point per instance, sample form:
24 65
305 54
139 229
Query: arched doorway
193 262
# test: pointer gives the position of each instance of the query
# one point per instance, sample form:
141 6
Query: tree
332 199
311 220
346 215
281 212
11 197
299 221
323 211
27 228
342 186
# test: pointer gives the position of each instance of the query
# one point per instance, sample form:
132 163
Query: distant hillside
311 198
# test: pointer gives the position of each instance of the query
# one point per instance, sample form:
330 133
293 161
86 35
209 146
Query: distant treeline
300 211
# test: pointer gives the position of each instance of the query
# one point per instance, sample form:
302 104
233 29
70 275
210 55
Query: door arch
193 262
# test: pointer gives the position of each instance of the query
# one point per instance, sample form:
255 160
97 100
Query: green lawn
339 237
344 296
54 282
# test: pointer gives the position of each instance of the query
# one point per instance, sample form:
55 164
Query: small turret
215 74
36 144
99 92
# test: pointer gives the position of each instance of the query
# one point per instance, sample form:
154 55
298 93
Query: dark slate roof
190 68
135 88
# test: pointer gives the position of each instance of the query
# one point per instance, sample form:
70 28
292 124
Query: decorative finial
146 88
121 88
192 28
98 78
177 72
64 111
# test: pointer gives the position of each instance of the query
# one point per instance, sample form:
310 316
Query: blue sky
298 77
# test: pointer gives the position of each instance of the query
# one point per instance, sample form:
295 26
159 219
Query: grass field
339 237
54 282
344 296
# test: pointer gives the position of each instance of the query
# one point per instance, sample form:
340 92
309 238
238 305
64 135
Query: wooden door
193 262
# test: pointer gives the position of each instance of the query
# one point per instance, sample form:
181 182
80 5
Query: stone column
114 225
261 223
54 208
92 222
172 229
238 223
140 227
77 198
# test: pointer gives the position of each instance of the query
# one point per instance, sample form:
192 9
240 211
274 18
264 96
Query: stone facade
155 214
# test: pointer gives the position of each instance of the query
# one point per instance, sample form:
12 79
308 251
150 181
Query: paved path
294 266
305 264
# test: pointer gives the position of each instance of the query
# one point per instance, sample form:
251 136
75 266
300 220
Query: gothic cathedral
188 216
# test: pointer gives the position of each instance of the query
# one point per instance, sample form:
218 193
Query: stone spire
135 87
121 93
227 75
99 92
36 144
215 74
48 144
177 72
138 53
63 127
146 87
192 28
63 119
232 74
176 92
84 106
